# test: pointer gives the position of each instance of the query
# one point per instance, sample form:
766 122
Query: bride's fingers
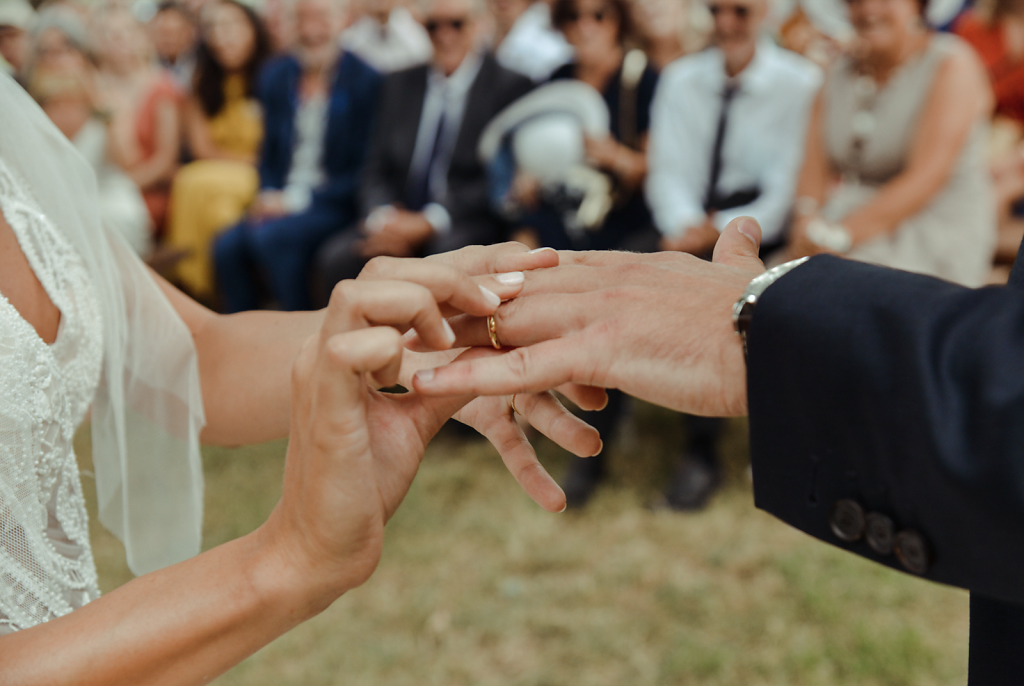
550 417
403 305
494 259
492 417
446 283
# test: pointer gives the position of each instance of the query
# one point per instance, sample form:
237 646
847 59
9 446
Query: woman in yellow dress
224 129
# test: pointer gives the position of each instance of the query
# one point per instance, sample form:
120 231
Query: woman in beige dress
895 171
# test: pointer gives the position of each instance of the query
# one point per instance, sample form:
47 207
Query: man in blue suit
318 104
886 408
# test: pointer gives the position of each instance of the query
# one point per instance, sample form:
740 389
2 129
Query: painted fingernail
537 250
491 297
411 334
425 376
448 331
510 278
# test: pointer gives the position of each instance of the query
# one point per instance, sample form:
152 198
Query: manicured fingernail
537 250
510 278
411 334
563 508
448 331
492 298
746 227
425 376
599 448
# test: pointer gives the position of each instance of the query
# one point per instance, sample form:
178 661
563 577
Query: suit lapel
478 107
410 110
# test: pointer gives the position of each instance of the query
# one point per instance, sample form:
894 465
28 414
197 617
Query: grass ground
478 586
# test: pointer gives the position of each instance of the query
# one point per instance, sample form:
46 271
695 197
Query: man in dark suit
886 408
424 190
318 107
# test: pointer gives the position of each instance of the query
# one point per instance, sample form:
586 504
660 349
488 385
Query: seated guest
144 104
524 39
318 102
59 77
387 37
424 189
173 33
727 132
895 172
668 30
996 32
224 128
15 19
598 30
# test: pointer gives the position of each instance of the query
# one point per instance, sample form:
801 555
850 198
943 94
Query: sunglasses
598 16
740 11
434 25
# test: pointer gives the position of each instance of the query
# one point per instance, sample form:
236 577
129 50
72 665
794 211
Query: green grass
479 586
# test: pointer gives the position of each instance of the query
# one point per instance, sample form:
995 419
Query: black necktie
420 193
710 200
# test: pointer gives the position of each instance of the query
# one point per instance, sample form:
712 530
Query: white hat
16 13
548 125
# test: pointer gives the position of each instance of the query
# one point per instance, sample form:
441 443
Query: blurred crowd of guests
258 153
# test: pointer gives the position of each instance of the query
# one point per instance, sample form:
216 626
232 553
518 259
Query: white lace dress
46 564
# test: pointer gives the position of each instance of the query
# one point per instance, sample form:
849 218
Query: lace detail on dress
46 564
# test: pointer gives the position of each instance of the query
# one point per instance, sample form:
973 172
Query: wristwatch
743 310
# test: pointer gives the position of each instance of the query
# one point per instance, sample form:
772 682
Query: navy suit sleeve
904 394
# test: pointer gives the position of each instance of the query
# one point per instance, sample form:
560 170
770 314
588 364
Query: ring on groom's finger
515 410
492 330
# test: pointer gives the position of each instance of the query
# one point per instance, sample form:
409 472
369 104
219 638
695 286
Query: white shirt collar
462 78
757 74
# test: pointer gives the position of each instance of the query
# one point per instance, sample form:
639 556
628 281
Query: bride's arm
351 458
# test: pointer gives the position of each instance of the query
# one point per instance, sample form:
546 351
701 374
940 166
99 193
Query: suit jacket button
879 532
847 520
912 551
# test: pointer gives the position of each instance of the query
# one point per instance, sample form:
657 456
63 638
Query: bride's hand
353 451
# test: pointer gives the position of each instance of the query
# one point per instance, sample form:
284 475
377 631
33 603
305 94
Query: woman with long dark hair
224 129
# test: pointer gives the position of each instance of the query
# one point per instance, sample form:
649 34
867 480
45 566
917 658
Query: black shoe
582 480
693 483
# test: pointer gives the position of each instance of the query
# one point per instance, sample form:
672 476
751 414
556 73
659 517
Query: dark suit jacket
353 96
905 394
386 176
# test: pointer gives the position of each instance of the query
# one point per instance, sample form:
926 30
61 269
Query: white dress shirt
532 47
445 94
764 138
306 172
397 45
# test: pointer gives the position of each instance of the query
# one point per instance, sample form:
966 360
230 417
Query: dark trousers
997 643
279 252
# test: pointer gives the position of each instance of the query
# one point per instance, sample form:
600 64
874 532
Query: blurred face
451 27
172 34
737 25
232 38
317 23
122 42
883 25
14 46
55 53
593 29
660 17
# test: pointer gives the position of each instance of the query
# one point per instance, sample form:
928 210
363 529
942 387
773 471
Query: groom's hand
658 327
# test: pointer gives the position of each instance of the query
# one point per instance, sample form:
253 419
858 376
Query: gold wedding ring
492 330
515 410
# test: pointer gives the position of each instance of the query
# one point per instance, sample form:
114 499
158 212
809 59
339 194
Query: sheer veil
148 410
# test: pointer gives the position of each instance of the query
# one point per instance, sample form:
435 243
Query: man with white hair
727 139
318 105
424 189
387 36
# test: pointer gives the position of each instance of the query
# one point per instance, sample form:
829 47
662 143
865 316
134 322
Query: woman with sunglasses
895 170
